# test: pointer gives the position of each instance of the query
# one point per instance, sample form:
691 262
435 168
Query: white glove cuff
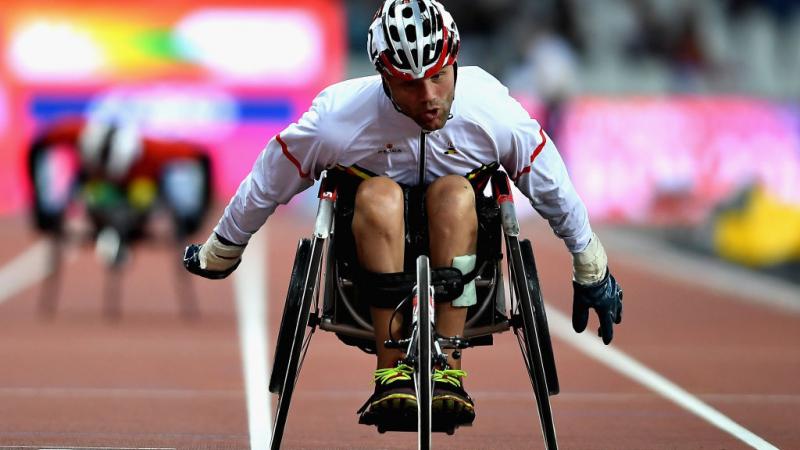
216 256
589 266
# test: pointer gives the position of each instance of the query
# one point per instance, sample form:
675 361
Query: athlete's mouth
430 114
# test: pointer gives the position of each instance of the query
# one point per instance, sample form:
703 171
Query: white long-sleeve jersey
354 124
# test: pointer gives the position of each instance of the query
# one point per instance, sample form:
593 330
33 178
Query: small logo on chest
390 148
451 149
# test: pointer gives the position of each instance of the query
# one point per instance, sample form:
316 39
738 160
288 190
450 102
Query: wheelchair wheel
543 331
422 378
291 315
290 348
525 328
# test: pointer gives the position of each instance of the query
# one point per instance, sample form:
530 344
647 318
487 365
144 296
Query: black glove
191 261
605 298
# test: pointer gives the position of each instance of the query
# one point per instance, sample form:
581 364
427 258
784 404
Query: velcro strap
387 290
448 283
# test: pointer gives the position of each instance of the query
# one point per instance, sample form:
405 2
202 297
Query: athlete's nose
427 91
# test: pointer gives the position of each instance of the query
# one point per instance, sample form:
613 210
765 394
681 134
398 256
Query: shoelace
451 376
392 374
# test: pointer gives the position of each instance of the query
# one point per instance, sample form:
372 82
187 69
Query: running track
718 367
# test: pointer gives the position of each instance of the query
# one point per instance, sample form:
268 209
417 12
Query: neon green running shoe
394 397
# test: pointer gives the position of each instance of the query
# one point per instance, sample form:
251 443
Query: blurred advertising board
670 160
228 74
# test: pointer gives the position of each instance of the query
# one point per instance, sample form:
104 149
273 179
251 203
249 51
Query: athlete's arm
289 164
540 173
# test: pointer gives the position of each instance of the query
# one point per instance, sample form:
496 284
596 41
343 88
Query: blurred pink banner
227 74
671 159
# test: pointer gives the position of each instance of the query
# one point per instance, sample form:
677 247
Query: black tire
525 328
423 376
296 334
542 329
291 315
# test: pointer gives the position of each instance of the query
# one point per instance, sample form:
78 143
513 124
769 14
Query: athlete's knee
379 187
451 208
379 202
450 197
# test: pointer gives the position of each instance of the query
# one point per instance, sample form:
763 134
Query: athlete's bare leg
379 230
453 226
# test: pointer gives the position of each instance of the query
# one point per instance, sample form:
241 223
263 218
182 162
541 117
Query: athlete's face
427 101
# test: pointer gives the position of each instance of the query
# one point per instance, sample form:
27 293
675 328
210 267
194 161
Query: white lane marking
561 326
250 286
738 282
27 269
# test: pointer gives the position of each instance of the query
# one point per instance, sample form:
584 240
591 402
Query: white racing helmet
412 39
109 149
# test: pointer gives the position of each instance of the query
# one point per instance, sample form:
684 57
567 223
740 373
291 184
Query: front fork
438 356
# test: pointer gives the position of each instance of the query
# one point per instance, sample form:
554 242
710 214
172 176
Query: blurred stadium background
668 113
679 121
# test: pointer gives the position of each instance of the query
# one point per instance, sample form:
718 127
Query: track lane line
560 325
251 312
25 270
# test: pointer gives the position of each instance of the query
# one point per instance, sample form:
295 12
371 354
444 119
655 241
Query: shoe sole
452 409
390 408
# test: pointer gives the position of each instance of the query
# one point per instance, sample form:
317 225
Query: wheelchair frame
341 315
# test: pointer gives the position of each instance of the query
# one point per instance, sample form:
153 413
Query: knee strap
384 290
387 290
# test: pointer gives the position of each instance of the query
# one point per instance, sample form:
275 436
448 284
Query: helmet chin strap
397 107
389 95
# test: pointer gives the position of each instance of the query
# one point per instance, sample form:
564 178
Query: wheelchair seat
349 318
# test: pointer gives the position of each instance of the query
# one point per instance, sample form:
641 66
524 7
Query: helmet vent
395 35
411 33
427 54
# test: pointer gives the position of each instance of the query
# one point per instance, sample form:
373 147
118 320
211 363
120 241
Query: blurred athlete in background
120 177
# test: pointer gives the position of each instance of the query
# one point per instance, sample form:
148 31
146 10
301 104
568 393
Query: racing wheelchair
325 266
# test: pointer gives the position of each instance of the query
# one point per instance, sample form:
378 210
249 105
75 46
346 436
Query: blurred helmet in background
412 39
108 149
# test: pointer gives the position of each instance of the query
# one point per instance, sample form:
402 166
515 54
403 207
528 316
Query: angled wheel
291 316
542 329
292 333
423 376
529 338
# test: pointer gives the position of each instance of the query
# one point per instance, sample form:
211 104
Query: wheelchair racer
417 134
120 176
